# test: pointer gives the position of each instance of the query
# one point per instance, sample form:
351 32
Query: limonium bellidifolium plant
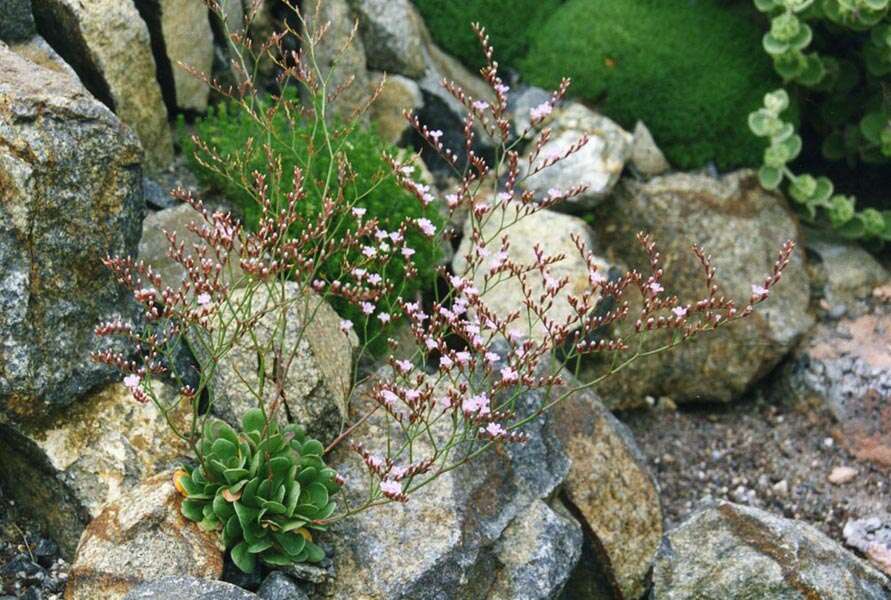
266 489
835 56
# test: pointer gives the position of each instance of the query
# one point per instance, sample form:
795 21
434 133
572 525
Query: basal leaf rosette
263 490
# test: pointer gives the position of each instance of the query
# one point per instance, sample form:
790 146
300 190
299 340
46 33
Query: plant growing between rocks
264 487
836 53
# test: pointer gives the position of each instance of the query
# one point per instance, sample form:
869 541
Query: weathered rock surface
742 227
392 33
139 538
842 272
153 245
553 232
64 469
537 553
318 381
872 537
17 24
188 588
93 37
181 33
734 552
845 367
38 51
69 195
520 103
646 156
612 492
397 94
597 165
340 45
442 543
278 586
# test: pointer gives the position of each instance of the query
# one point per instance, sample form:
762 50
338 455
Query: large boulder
844 366
70 194
392 33
397 94
339 44
612 491
536 554
181 35
317 384
188 588
553 232
743 228
64 469
141 537
735 552
17 24
597 165
442 543
94 37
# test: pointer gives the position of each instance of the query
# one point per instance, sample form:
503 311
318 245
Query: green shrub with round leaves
692 70
263 490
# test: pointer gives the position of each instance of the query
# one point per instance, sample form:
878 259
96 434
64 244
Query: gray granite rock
842 272
553 231
139 538
64 469
397 94
597 165
93 37
845 368
392 33
278 586
735 552
190 588
536 554
646 157
320 375
70 195
872 537
742 227
17 24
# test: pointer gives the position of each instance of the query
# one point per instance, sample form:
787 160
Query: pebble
781 488
842 475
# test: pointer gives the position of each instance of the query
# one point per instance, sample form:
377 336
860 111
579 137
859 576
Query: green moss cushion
692 70
509 24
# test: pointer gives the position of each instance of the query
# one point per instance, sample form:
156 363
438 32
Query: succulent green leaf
292 525
318 494
769 177
279 560
774 46
314 552
292 543
242 558
260 546
312 448
222 508
192 509
247 515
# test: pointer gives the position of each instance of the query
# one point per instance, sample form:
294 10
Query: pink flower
759 290
508 375
374 279
384 317
541 111
654 288
369 251
427 228
391 488
404 366
480 105
435 134
408 252
679 311
445 362
389 398
132 381
492 358
501 88
478 404
204 299
367 307
358 212
346 325
495 430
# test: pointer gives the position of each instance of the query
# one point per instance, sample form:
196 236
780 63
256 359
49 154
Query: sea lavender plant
264 488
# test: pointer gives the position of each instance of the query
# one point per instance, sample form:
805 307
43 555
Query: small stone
646 156
278 586
46 552
781 488
842 475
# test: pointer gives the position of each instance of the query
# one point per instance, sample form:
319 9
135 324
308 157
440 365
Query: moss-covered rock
692 70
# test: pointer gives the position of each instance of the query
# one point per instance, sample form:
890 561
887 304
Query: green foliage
814 195
690 69
836 55
262 490
509 26
241 141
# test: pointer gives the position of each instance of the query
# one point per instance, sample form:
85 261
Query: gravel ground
30 567
770 455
